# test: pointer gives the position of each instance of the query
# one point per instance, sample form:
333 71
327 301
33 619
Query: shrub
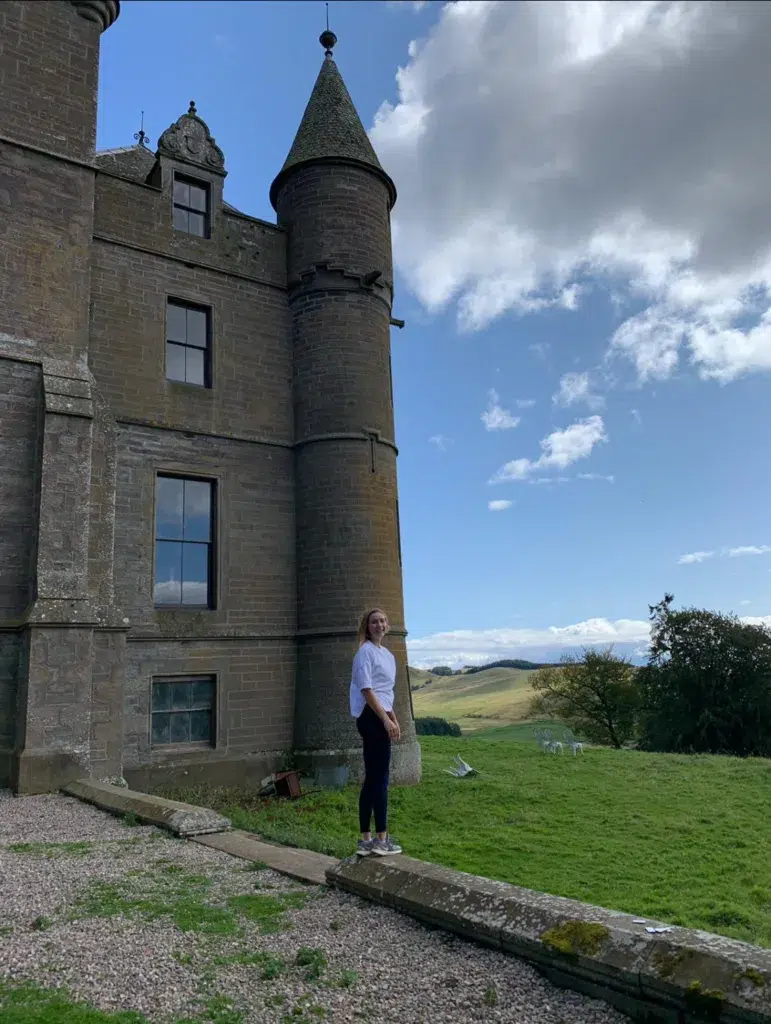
436 727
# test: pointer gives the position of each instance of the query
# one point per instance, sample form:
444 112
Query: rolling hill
483 700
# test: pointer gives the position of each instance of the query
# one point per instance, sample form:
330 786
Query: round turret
334 199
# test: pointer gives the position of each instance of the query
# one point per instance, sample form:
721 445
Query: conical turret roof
330 131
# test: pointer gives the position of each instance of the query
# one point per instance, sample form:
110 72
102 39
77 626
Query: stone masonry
165 638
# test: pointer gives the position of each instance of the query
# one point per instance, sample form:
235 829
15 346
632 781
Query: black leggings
377 762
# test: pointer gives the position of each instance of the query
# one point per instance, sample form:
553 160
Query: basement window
183 711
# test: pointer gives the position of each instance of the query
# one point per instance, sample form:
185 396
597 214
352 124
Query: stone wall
9 671
49 97
20 410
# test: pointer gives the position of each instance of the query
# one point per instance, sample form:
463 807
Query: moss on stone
666 963
706 1003
753 976
574 937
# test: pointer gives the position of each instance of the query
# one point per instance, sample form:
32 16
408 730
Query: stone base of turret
405 762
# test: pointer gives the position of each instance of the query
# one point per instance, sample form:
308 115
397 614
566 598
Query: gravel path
132 919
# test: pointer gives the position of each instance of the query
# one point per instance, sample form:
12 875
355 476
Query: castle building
198 492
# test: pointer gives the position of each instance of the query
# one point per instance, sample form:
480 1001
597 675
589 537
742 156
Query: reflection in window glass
183 543
187 343
191 206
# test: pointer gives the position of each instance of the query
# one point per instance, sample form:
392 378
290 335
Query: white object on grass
462 770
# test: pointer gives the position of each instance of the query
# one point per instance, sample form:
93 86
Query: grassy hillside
482 700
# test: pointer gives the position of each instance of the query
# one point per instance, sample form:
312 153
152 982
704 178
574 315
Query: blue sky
583 251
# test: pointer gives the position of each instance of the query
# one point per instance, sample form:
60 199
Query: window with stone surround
188 343
183 711
191 206
184 542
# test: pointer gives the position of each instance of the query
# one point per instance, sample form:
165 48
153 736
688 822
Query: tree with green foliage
441 670
595 694
707 685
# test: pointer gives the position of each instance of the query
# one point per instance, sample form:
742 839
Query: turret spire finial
327 38
140 136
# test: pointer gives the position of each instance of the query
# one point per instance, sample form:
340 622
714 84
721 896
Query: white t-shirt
373 668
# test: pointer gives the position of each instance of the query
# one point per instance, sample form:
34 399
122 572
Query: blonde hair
363 635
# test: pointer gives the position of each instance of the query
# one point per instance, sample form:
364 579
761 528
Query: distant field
483 700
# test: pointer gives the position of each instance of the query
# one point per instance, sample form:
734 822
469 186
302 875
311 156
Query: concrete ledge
302 865
676 977
181 819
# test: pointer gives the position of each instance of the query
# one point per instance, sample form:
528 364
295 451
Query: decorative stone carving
103 12
190 141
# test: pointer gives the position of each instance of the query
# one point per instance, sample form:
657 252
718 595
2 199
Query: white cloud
635 414
498 506
559 450
541 145
757 620
440 441
575 388
740 552
474 647
469 647
694 557
597 476
496 418
525 403
403 5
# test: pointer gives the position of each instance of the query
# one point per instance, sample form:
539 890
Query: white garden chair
552 745
575 745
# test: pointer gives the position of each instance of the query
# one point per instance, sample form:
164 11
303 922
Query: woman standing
372 701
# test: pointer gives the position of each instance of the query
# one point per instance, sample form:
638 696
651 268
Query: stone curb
301 865
679 976
181 819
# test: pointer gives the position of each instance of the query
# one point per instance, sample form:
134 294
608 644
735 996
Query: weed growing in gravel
268 911
79 849
41 924
218 1010
257 865
179 896
30 1004
304 1012
272 966
491 996
348 979
314 960
275 1001
130 820
171 891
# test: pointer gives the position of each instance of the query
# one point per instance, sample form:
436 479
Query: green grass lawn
681 839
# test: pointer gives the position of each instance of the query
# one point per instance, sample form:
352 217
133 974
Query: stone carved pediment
190 141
